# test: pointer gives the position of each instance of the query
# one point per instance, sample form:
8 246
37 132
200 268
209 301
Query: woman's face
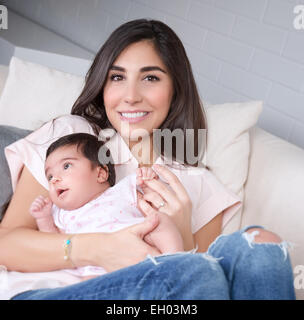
138 91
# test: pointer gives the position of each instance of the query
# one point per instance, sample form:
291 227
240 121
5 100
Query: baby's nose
55 179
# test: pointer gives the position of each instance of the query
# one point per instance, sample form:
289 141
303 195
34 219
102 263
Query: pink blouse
209 197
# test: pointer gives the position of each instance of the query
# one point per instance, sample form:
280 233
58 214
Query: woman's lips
135 118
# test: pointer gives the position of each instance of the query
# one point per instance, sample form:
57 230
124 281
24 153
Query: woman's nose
133 94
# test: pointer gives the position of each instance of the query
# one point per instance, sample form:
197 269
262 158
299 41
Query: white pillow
34 94
3 76
228 146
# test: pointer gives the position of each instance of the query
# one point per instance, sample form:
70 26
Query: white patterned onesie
114 209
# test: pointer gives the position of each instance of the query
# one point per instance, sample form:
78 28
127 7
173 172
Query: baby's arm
145 173
165 237
41 210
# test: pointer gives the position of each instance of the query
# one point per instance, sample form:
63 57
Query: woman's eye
151 78
66 166
116 77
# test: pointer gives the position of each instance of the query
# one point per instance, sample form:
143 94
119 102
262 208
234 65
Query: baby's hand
41 207
145 173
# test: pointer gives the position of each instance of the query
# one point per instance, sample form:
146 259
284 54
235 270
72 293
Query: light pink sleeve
213 198
30 151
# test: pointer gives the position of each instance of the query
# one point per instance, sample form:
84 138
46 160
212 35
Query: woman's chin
136 135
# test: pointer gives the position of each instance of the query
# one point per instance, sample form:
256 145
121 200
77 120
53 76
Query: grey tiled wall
239 49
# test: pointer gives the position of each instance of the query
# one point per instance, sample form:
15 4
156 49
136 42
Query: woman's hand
115 250
176 202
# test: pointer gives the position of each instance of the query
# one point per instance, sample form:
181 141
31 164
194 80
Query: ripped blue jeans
234 267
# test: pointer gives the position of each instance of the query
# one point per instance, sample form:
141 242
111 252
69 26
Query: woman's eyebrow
143 69
152 68
117 68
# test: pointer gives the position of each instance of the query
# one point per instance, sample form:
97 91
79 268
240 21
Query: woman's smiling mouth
133 117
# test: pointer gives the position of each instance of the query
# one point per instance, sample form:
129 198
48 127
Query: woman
139 81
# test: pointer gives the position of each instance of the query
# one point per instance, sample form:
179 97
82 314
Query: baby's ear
103 174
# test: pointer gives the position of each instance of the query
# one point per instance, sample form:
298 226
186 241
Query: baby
84 198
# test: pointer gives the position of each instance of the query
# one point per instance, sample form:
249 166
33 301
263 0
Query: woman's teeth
134 114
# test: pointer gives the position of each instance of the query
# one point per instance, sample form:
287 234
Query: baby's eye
50 177
151 78
66 165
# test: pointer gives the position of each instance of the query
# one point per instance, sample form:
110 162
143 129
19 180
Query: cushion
34 94
8 135
274 193
44 93
228 146
3 76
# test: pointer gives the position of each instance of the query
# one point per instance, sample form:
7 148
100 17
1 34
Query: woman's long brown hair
186 110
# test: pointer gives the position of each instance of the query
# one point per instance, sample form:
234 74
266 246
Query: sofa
271 181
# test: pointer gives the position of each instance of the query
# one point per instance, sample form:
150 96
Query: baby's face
72 180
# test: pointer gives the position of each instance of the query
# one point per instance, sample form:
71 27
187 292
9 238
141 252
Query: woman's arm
23 248
208 233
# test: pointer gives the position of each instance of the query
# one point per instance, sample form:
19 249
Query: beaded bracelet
67 247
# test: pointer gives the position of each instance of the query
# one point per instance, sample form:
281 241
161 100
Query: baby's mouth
60 192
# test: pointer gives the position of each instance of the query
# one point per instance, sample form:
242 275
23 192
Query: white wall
239 49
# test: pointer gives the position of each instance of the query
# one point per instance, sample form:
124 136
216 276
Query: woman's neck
143 151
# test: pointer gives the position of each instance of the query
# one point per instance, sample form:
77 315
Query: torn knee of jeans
264 236
250 237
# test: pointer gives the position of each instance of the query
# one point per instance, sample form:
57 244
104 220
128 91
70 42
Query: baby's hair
89 146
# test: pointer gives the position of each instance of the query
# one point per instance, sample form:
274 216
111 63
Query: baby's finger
40 197
35 204
34 207
139 181
47 200
144 171
39 202
138 172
